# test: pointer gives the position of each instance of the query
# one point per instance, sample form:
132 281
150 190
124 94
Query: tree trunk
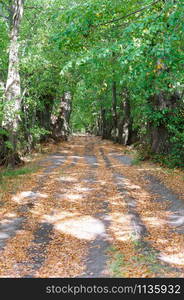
125 130
158 133
125 121
114 132
106 124
60 124
12 104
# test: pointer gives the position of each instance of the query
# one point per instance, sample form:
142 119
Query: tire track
43 233
10 226
97 258
140 229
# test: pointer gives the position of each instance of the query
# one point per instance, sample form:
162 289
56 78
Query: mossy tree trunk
60 123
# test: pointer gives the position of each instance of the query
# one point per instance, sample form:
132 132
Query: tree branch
128 15
34 7
42 8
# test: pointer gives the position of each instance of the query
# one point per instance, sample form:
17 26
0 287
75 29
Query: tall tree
12 99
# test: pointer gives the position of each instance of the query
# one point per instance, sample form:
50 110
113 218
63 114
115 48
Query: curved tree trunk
12 103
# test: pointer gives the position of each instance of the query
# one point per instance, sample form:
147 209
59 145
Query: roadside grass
20 171
116 262
11 179
136 161
116 265
120 267
149 257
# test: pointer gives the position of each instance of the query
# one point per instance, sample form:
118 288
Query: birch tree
12 99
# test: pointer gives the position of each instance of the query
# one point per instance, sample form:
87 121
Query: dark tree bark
114 132
106 124
159 134
44 115
60 123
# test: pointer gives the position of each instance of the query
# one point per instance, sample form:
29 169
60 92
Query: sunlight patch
10 215
177 258
3 235
67 178
154 221
131 186
177 220
66 151
123 228
83 189
162 241
86 227
29 194
70 196
55 217
77 146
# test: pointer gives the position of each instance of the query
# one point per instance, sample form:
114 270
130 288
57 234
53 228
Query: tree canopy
111 68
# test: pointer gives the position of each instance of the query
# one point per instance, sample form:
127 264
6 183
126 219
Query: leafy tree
120 61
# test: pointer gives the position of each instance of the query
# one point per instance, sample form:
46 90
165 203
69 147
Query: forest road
92 213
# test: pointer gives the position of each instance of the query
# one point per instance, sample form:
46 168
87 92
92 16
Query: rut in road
89 214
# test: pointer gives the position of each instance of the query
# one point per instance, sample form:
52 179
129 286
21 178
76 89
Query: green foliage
18 172
84 46
136 161
9 145
3 132
38 132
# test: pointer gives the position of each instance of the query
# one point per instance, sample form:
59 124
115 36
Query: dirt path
91 213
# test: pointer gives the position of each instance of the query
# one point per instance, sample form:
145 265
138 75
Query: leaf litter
71 203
